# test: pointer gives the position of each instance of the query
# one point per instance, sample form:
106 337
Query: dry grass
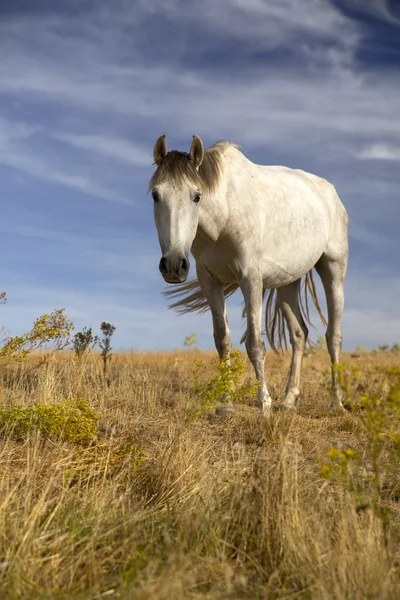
230 507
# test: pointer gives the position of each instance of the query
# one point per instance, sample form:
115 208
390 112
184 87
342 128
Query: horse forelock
177 168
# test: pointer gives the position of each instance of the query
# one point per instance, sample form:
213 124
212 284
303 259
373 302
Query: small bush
105 343
49 331
71 421
383 347
225 385
83 341
361 349
190 341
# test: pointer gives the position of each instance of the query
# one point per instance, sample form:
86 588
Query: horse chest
221 261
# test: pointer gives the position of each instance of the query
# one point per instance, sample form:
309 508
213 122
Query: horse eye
197 197
155 196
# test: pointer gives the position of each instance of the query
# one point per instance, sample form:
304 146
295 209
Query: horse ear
160 149
197 151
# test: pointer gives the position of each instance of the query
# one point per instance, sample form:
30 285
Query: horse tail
189 297
275 325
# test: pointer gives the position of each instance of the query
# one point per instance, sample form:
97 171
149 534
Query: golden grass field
167 502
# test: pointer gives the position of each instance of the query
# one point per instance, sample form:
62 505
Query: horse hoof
338 409
225 410
266 411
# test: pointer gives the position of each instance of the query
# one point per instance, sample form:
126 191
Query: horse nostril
163 266
185 265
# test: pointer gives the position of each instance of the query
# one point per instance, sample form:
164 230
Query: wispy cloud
83 95
10 132
328 98
380 151
36 167
329 102
385 9
109 146
270 24
17 154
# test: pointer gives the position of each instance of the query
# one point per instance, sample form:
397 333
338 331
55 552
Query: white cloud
332 101
84 74
270 111
9 131
268 24
380 151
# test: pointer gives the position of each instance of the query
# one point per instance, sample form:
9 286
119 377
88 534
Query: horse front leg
214 292
252 289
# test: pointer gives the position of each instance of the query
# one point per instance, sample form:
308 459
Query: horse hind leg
288 298
332 273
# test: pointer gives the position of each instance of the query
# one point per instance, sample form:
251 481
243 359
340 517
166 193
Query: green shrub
105 343
379 413
71 421
50 331
83 341
225 385
190 341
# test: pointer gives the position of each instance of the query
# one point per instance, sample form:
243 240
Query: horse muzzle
174 269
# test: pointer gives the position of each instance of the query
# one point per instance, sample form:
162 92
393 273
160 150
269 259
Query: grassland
171 502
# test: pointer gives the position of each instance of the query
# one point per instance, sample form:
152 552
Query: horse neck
213 216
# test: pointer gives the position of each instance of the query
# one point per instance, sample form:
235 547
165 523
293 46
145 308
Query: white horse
256 228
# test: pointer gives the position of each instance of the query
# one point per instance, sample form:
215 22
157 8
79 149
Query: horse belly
291 250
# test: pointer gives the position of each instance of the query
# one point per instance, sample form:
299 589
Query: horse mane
190 298
177 168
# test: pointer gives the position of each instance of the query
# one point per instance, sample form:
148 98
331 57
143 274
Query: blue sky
87 87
